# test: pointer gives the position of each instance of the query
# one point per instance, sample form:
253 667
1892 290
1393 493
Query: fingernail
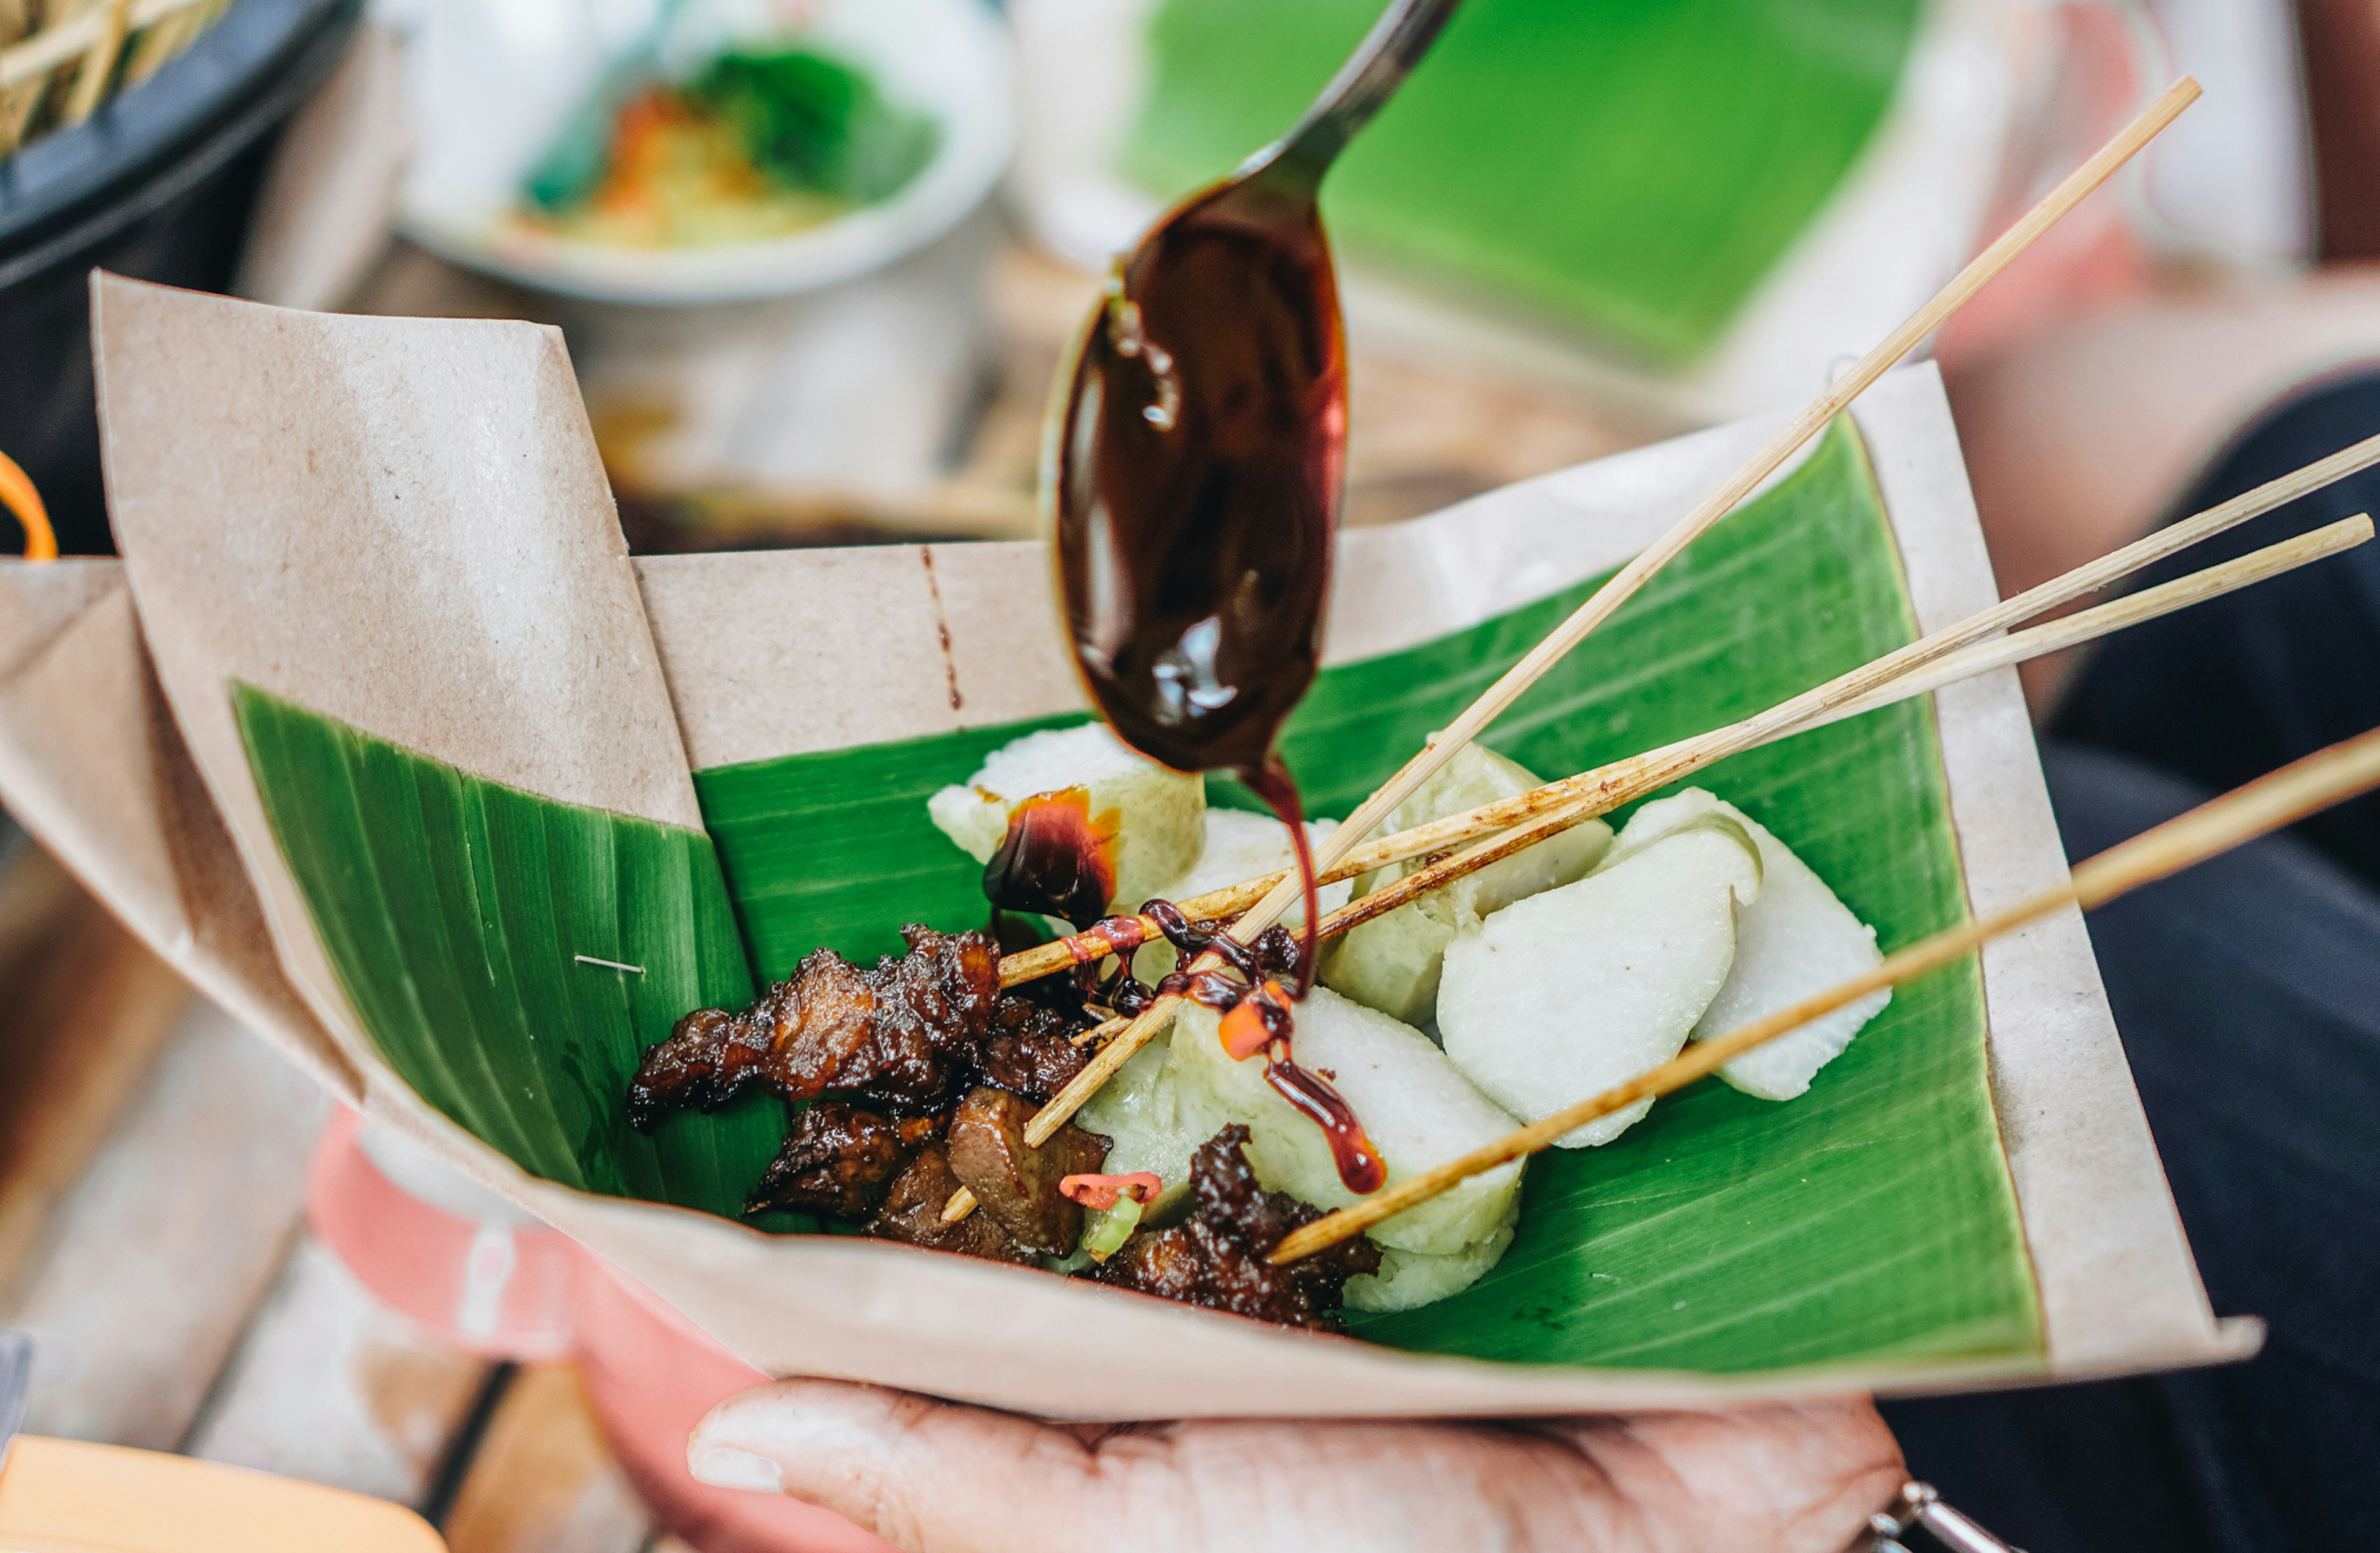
723 1466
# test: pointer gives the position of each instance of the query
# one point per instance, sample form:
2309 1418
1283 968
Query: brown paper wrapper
402 524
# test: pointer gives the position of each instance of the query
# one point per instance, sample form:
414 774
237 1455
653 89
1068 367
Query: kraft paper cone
402 524
93 766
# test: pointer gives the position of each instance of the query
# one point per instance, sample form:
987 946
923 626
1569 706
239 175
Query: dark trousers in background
2247 995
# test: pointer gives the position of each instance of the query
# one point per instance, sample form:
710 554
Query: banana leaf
1873 1217
1633 166
478 608
455 911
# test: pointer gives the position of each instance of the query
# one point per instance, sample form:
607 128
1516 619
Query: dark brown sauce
1056 859
1271 781
1198 481
1361 1169
1258 1017
1262 1021
1118 936
1198 486
1274 954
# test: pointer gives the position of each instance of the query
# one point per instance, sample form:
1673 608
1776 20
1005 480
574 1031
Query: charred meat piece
1017 1185
1026 1050
893 1031
839 1159
914 1213
1216 1258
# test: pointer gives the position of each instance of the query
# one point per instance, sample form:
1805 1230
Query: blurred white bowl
490 86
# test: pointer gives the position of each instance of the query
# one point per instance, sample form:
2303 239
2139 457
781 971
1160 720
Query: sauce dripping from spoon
1197 475
1196 471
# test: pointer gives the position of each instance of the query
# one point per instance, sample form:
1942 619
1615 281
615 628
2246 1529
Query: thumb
926 1477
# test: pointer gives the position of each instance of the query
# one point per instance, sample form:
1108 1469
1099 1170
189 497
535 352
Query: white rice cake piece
1408 1280
1157 814
1393 962
1796 940
1565 994
1418 1111
1241 846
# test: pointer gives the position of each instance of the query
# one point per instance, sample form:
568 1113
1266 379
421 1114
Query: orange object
1102 1190
1256 1021
17 493
64 1496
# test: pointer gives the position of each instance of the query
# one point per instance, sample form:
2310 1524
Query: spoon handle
1372 73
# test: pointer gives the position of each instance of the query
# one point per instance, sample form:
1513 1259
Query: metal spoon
1195 458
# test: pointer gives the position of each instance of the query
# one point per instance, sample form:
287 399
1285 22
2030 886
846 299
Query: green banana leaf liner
472 760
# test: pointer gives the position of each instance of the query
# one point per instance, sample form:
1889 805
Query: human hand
935 1477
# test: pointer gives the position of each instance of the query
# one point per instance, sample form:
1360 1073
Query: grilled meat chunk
894 1032
1017 1185
1026 1050
914 1213
1216 1258
839 1159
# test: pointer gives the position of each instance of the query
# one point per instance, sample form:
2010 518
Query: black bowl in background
159 184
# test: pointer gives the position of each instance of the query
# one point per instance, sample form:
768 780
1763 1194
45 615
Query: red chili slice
1102 1190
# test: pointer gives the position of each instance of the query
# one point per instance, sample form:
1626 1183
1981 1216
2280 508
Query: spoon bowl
1196 452
1199 477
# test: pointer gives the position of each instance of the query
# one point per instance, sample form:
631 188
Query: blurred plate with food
697 150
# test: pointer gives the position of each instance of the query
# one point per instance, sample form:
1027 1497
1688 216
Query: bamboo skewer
99 64
2133 608
2316 783
170 36
1685 756
1813 418
1630 779
1944 658
2028 229
1608 787
1980 658
75 37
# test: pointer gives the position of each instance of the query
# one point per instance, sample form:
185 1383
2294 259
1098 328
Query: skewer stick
1943 661
2028 229
2316 783
99 64
1610 786
1819 703
2133 608
54 46
1813 418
